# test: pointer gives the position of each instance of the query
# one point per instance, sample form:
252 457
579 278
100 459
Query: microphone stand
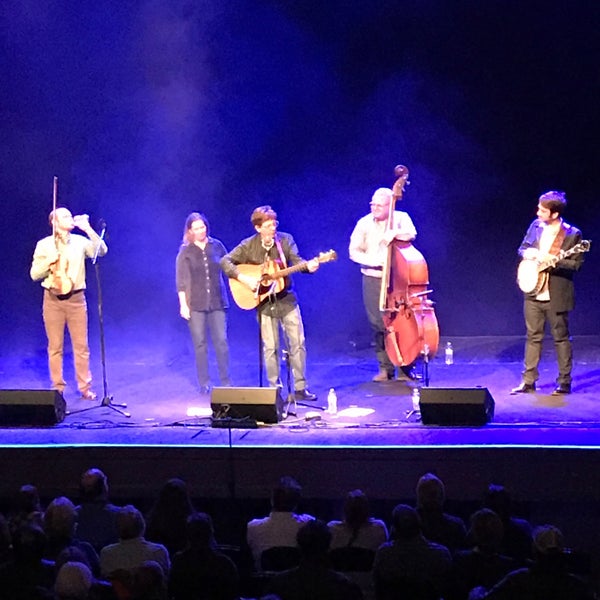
106 399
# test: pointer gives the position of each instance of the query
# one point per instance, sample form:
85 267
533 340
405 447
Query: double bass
411 327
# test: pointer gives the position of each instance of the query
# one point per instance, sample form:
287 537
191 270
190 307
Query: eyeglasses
270 224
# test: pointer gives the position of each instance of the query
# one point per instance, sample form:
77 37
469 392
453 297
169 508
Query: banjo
532 275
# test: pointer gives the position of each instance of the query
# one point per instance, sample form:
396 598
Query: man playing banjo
551 251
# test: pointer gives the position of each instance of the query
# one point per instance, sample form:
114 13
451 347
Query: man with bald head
368 248
96 516
59 263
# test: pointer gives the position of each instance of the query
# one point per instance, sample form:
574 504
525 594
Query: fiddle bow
61 283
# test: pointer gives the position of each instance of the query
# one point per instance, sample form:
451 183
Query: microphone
101 224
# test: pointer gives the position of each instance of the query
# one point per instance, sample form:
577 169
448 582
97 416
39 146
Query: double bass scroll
411 327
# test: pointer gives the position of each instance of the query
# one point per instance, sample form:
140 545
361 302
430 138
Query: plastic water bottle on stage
332 402
449 355
416 397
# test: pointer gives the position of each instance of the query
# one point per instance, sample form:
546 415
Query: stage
544 448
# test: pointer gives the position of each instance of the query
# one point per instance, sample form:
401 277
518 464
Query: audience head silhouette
130 523
200 531
431 493
60 518
93 485
314 539
547 541
356 508
486 531
406 522
286 495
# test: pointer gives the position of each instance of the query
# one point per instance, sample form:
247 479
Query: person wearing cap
547 578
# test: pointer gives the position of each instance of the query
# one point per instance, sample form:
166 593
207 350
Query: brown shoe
523 388
383 375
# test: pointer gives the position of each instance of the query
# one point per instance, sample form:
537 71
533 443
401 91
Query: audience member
27 573
28 509
482 565
200 571
73 581
313 579
517 532
132 549
437 525
149 582
96 516
547 578
409 563
166 520
358 528
281 526
60 524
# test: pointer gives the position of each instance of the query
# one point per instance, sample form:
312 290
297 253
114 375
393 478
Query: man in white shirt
282 524
368 247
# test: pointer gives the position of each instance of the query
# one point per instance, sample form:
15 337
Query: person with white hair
73 581
369 243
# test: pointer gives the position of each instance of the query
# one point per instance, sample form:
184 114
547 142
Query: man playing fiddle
59 263
266 246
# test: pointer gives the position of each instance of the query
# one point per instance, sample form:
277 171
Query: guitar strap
280 250
558 241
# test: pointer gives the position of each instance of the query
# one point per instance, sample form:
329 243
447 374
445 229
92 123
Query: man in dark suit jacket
546 237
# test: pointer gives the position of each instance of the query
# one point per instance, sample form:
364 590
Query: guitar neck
289 270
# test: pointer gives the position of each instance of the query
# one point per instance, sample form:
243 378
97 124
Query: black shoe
305 395
524 388
406 374
561 389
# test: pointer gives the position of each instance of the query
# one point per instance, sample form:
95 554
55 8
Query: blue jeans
200 323
293 329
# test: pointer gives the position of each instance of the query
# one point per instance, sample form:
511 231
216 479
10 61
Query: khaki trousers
69 312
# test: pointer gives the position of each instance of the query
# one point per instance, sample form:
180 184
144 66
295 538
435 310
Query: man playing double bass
369 247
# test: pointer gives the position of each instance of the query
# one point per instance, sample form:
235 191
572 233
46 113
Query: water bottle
416 396
332 402
449 354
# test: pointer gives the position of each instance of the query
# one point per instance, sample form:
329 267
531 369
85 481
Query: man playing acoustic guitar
549 241
276 303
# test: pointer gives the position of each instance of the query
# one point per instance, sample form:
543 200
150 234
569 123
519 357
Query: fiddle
411 327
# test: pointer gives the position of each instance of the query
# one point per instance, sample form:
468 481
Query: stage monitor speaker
456 406
246 404
31 407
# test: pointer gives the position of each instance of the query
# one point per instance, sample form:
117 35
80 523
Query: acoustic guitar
271 280
532 275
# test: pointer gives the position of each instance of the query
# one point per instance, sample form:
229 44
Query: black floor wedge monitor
456 406
246 404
